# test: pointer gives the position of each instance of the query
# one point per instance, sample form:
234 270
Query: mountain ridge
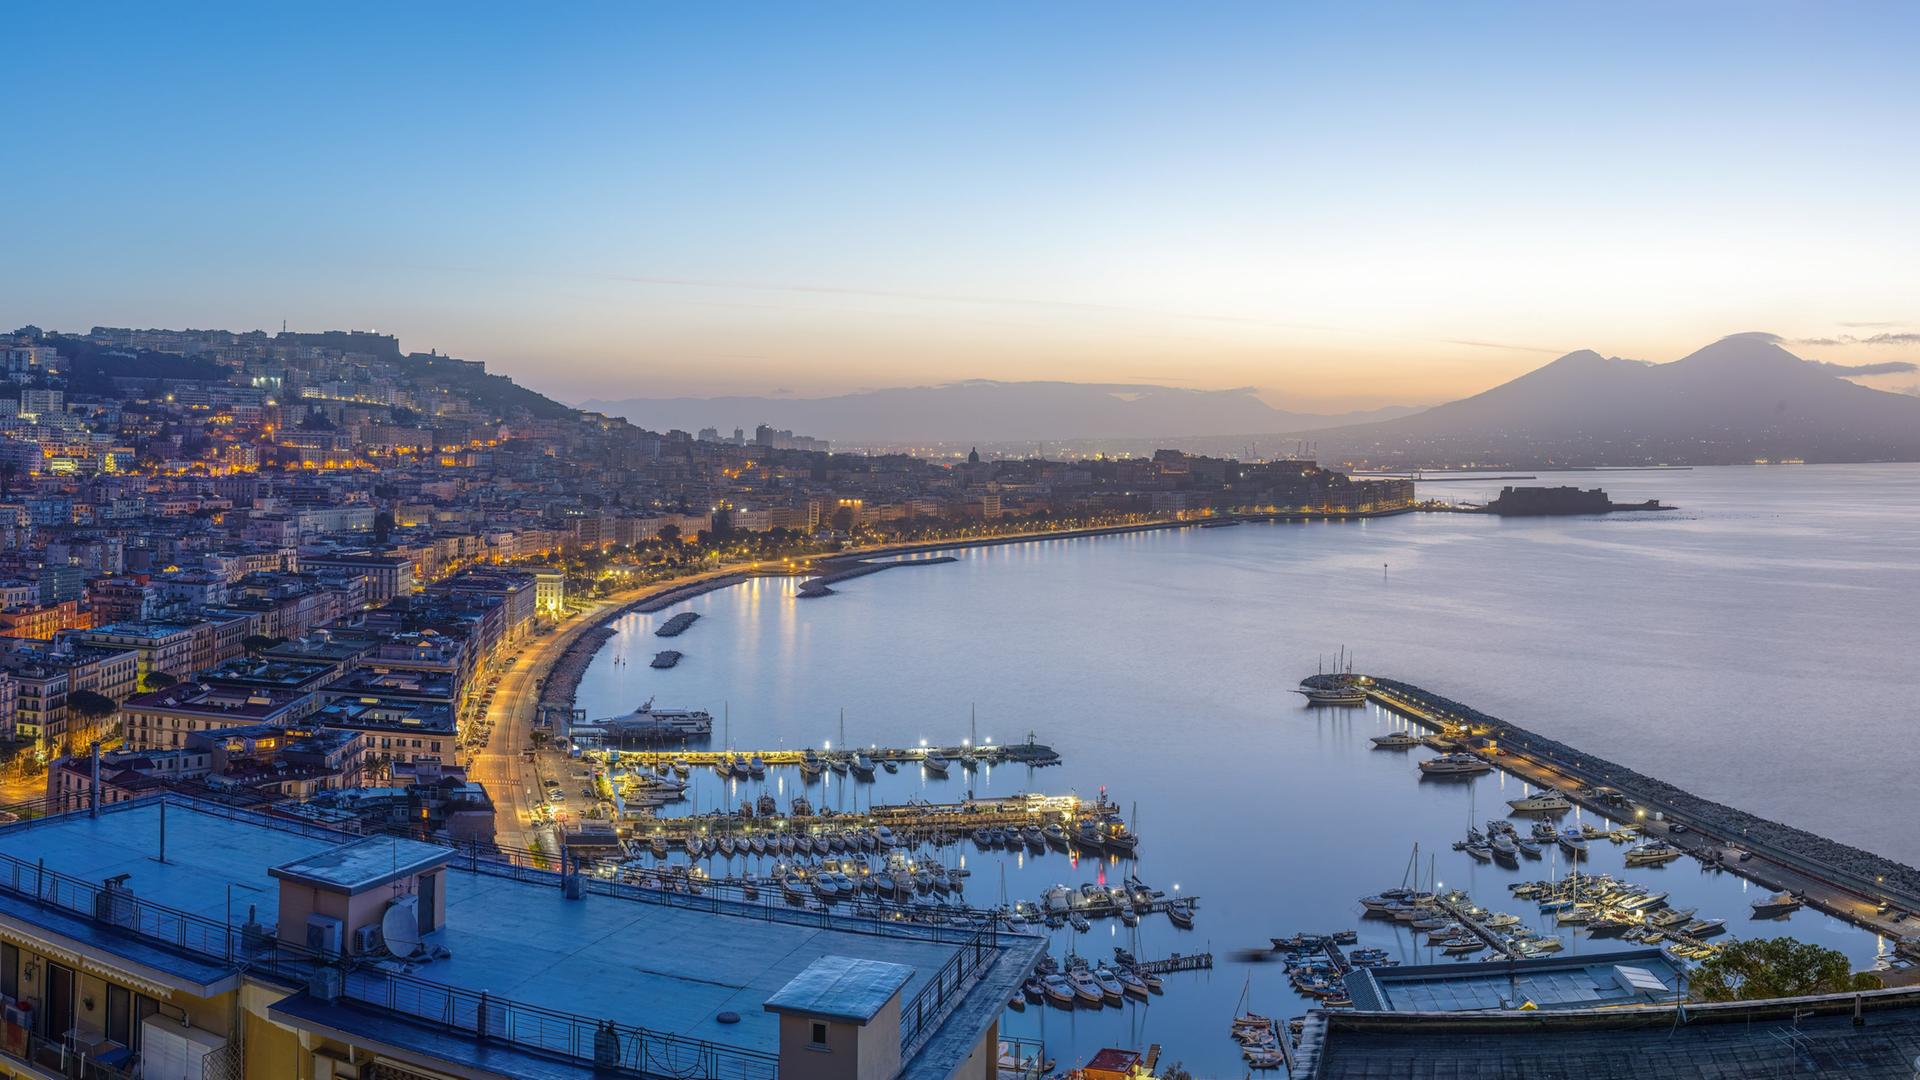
1739 399
988 411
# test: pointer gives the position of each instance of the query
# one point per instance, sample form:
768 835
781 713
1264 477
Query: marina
1066 660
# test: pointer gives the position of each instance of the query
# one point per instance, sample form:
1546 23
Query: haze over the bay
1343 208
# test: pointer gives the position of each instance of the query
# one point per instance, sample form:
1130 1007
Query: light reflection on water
1752 646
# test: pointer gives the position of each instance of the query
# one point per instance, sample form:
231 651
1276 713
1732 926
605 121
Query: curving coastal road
505 766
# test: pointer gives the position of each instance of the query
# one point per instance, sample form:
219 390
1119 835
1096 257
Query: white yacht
1652 853
1547 801
1456 765
1397 740
1784 903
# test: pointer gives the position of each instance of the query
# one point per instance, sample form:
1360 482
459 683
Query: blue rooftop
842 988
1641 976
669 963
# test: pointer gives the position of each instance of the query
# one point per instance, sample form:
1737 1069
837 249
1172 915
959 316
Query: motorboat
1505 849
1777 905
1180 914
811 765
1110 987
756 768
1059 991
1396 740
1541 802
862 767
1131 982
1456 764
936 763
1575 843
1652 853
1055 835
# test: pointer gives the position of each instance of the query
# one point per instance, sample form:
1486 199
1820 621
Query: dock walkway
1177 962
1836 878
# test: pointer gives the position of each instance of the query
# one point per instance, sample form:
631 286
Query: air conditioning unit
366 940
323 934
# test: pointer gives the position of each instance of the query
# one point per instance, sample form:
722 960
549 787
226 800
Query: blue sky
1342 205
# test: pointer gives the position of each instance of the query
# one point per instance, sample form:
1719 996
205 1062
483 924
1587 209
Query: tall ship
1342 687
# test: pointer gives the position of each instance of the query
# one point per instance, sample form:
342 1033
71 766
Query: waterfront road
506 765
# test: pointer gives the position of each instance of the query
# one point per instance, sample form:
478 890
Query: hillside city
269 568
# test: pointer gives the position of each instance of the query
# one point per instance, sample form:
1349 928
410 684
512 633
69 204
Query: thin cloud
1904 337
1890 367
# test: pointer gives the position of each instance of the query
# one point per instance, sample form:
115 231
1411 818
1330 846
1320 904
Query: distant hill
1739 399
982 411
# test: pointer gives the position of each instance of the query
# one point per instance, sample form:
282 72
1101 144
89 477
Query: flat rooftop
1748 1041
1598 980
648 962
363 864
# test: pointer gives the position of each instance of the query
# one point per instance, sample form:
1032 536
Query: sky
1342 205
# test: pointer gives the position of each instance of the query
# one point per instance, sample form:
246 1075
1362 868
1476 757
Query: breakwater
822 585
1868 877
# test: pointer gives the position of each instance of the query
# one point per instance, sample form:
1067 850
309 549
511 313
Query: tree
1776 967
160 680
382 526
669 534
255 644
89 718
842 520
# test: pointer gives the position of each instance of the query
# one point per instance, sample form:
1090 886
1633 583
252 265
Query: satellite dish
400 926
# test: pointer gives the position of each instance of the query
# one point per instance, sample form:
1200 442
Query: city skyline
1403 206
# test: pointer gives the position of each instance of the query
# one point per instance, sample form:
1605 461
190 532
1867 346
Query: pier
965 757
1176 962
1459 915
909 821
846 571
666 658
1865 889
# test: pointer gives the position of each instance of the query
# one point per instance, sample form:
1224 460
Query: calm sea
1756 645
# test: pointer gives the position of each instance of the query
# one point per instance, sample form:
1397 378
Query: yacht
1652 853
1541 802
1396 740
1455 765
1505 849
1784 903
1059 991
1110 987
1085 988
